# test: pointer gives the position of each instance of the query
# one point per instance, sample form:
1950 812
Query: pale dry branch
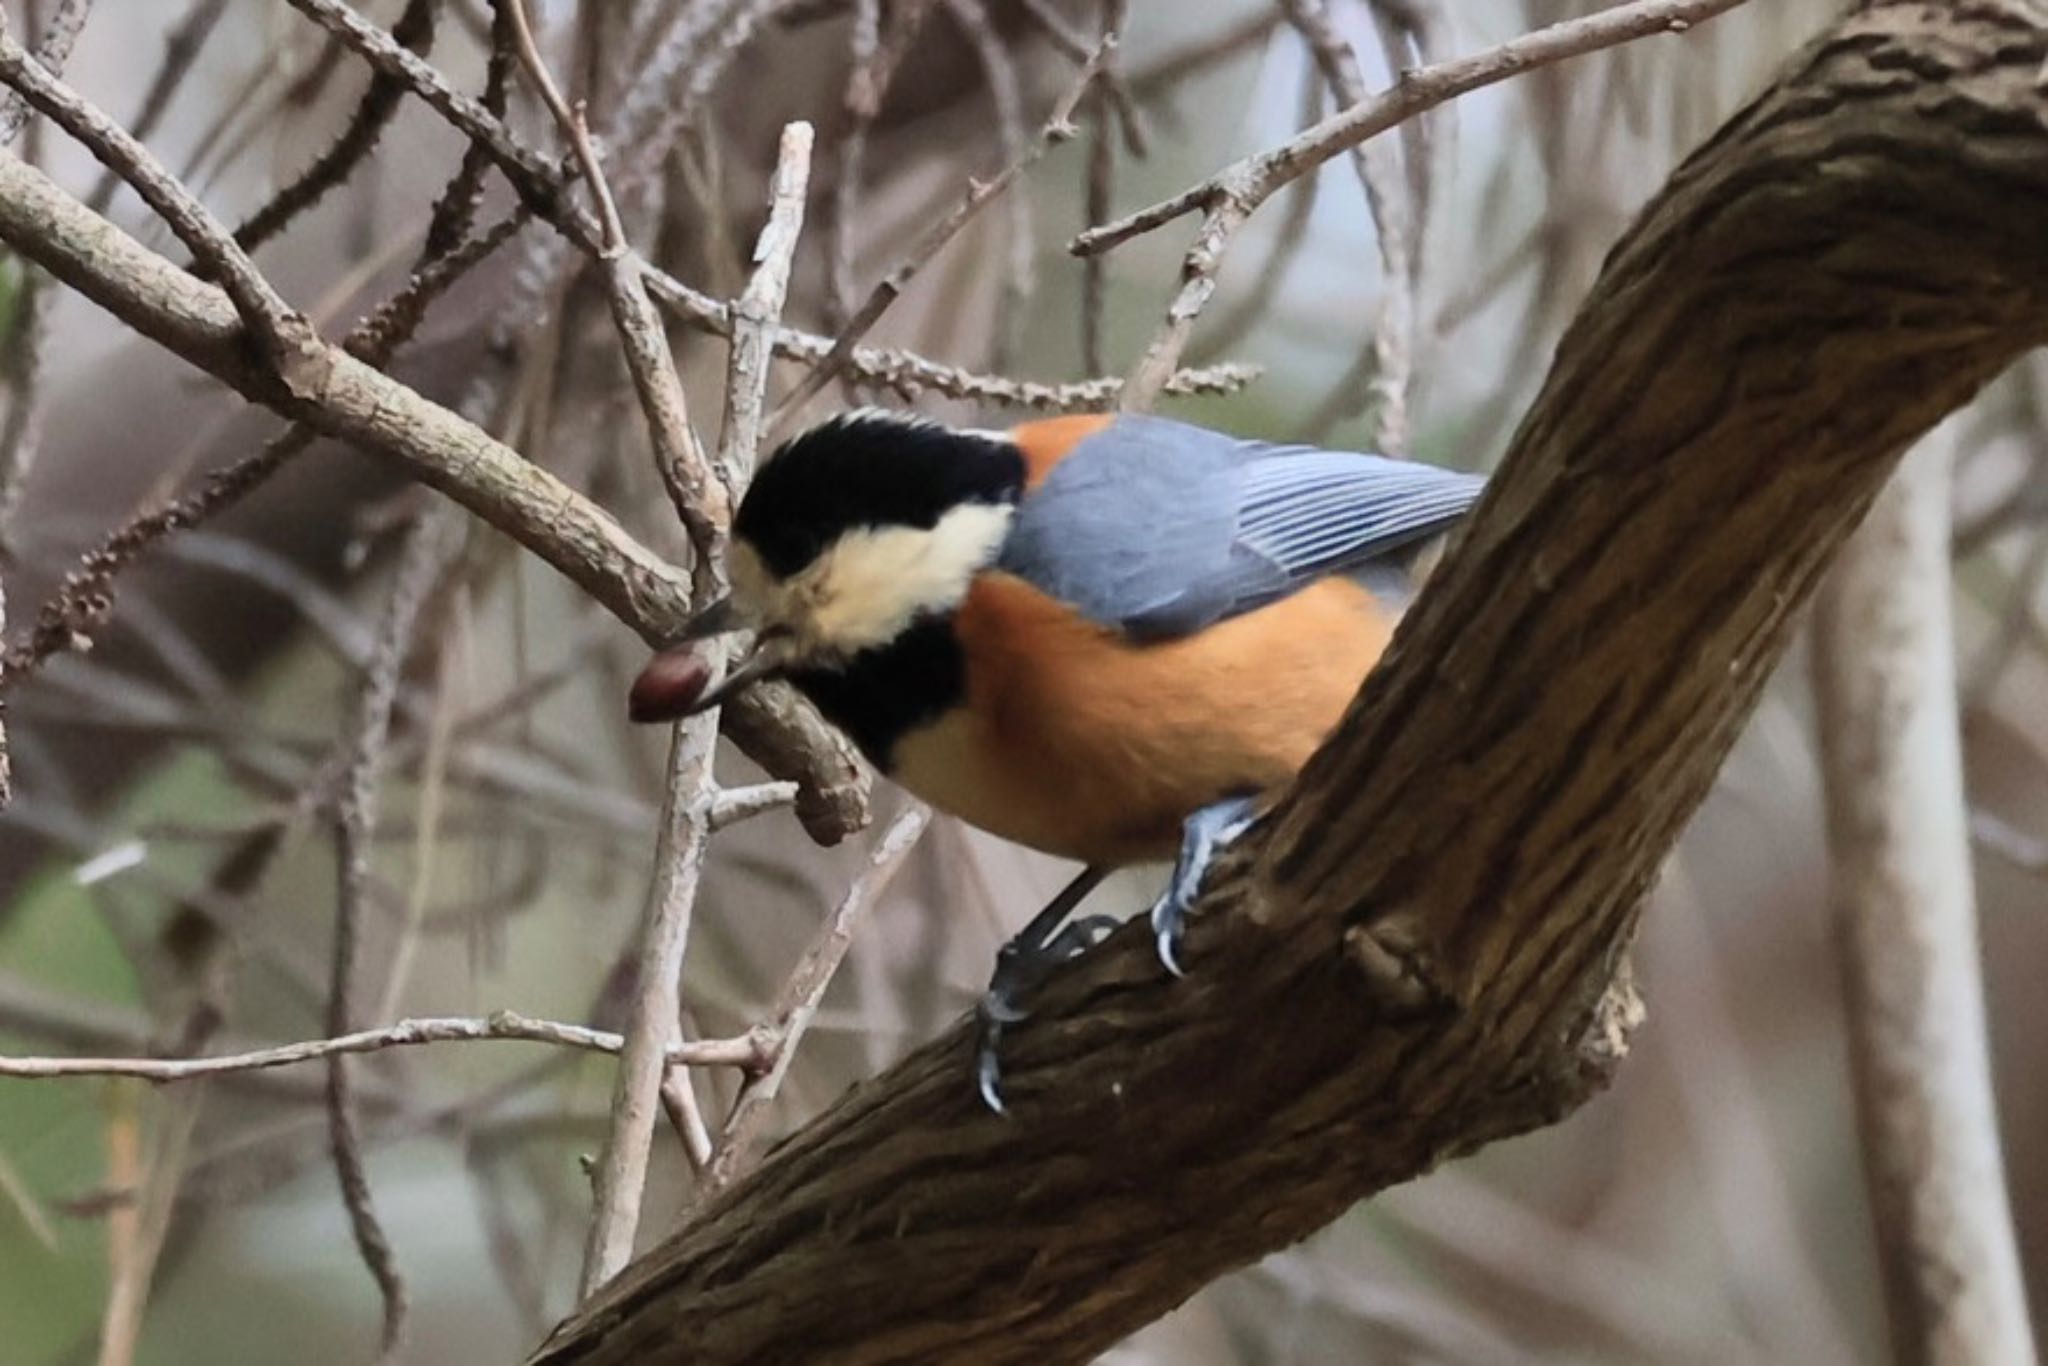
1396 216
645 1076
801 995
748 1051
699 497
358 403
621 1175
1229 198
1057 129
757 313
286 339
1899 845
181 48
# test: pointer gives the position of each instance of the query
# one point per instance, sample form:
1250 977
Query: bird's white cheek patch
874 581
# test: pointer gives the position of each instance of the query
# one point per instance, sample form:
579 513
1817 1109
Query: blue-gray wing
1160 528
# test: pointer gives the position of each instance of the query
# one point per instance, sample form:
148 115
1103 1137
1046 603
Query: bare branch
373 113
621 1176
431 548
1251 181
749 1051
801 995
53 51
1058 128
286 339
757 313
701 499
1884 682
1228 198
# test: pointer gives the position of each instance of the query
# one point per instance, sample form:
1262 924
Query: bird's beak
763 663
715 620
677 682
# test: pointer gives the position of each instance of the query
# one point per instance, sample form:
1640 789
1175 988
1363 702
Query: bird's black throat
880 695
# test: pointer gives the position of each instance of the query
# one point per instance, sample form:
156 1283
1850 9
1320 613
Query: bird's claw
987 1068
1203 834
1048 940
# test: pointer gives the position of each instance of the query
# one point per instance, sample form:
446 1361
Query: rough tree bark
1906 916
1414 956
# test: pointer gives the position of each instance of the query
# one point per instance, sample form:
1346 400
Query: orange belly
1081 743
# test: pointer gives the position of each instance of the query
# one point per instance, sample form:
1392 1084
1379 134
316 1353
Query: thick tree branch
1414 955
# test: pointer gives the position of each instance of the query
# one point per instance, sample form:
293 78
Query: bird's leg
1202 835
1023 961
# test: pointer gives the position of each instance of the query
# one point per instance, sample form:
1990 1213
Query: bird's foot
1023 962
1203 836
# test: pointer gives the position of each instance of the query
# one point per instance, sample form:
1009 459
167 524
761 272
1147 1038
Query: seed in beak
668 688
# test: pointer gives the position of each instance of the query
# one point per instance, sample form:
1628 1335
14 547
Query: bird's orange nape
1047 441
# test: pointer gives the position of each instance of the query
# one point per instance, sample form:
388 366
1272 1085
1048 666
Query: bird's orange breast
1077 741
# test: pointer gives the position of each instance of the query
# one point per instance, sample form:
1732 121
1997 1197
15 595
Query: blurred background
1710 1208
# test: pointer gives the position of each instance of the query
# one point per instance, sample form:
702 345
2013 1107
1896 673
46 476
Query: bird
1103 636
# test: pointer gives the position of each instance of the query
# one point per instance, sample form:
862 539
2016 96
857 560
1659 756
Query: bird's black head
867 470
861 527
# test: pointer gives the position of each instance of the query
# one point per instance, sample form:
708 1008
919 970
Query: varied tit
1102 637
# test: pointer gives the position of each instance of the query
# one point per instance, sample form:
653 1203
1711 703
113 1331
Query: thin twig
1075 47
53 51
621 1176
1253 179
1395 222
700 499
748 1051
999 74
685 1111
911 376
757 313
430 549
454 216
1058 128
1228 198
286 338
373 114
181 49
797 1004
